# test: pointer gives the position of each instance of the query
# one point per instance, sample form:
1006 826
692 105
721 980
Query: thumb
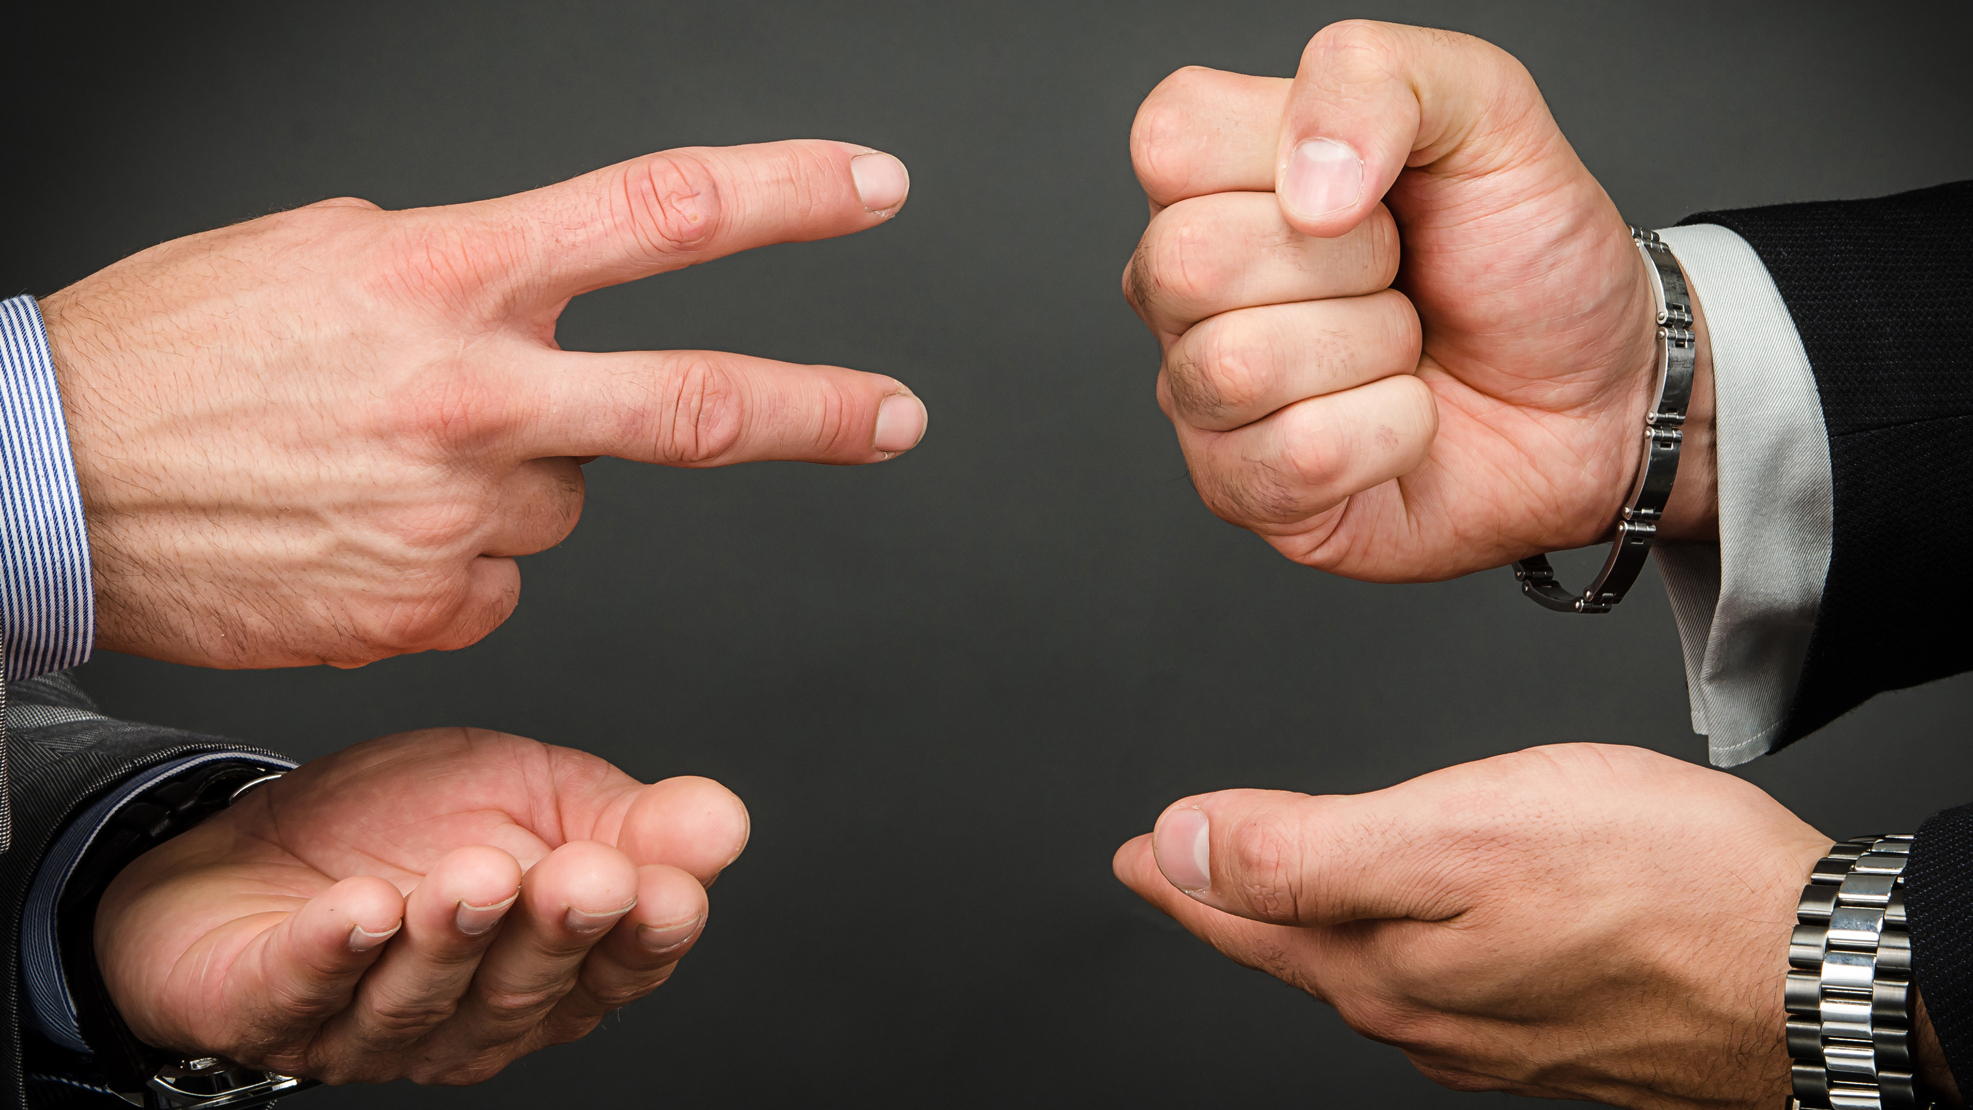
1292 859
1373 98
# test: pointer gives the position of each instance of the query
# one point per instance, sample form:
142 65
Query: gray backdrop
949 686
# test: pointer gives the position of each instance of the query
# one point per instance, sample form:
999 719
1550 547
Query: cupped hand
1580 921
429 906
323 435
1406 335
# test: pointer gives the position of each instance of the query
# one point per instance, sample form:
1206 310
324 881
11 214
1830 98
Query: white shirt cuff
1745 609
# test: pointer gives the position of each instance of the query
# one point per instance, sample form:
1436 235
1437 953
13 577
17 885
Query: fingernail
881 180
1183 847
1323 176
363 940
579 921
475 920
658 938
900 423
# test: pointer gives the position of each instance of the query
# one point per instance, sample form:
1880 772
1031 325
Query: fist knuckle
1160 133
671 203
1184 261
698 414
1260 493
1323 461
1231 373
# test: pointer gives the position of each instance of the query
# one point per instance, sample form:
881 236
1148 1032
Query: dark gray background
949 686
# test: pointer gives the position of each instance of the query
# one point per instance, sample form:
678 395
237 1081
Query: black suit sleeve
1881 292
63 756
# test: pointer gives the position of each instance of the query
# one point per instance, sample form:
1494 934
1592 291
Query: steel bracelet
1664 421
1850 992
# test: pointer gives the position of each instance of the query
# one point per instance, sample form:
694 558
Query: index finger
1207 131
672 209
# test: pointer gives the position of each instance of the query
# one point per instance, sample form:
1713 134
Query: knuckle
442 410
399 1021
1260 493
1322 462
445 264
1354 49
418 620
1267 870
1226 370
697 415
1183 261
519 1008
346 202
1159 133
670 203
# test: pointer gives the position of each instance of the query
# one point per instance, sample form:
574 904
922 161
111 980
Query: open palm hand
430 905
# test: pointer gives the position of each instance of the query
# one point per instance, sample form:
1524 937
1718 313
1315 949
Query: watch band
138 1073
1664 421
1850 992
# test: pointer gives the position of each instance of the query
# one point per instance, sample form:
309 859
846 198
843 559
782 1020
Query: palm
1534 312
227 906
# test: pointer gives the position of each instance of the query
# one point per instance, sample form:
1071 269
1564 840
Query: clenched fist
1406 335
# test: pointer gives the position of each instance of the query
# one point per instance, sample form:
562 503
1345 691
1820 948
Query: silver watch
213 1083
1850 994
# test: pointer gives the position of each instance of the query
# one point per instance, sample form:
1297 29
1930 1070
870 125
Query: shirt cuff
1746 608
48 1005
47 600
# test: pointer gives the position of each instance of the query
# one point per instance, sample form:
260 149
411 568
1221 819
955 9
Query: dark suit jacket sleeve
62 756
1881 292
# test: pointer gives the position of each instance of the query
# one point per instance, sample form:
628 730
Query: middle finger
569 901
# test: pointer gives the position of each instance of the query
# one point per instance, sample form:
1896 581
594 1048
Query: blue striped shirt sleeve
47 599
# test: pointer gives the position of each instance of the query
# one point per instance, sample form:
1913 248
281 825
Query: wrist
1692 512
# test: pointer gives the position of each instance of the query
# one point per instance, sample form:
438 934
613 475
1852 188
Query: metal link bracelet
1637 525
1849 993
